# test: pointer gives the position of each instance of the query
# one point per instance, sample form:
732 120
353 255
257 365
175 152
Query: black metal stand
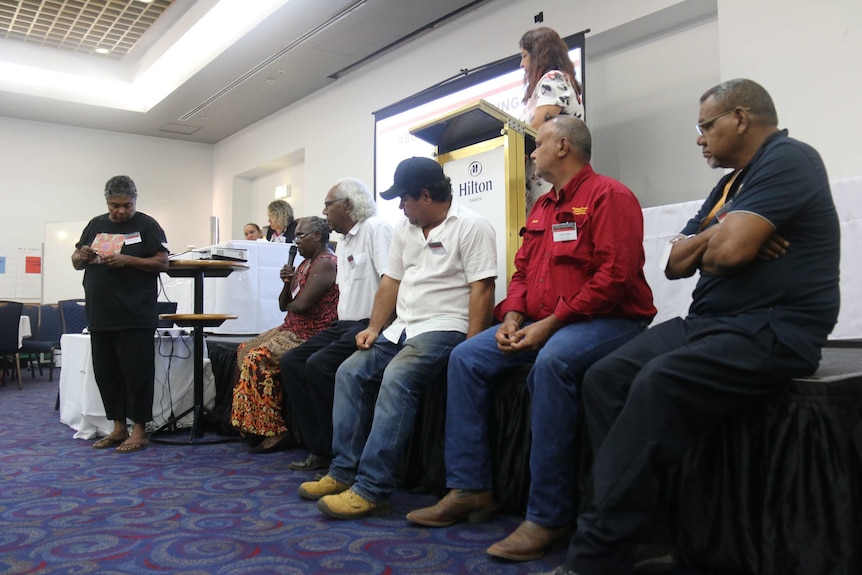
198 321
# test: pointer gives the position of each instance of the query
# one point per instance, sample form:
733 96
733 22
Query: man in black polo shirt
766 243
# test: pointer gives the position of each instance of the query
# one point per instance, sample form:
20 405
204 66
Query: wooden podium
484 151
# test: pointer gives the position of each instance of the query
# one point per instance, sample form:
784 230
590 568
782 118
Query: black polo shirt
796 295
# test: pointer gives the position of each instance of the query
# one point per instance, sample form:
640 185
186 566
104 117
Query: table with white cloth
252 295
81 405
24 329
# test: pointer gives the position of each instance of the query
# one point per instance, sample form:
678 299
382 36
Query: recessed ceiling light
102 51
225 22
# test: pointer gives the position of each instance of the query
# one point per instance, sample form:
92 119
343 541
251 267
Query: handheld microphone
291 256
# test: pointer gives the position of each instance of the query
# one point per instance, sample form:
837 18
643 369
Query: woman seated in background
310 298
252 232
282 225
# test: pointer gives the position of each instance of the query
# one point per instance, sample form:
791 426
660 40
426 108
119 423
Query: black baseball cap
414 174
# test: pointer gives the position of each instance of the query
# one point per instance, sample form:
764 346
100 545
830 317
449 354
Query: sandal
126 447
108 442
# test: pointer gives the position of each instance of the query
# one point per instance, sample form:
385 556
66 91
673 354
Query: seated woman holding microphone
310 298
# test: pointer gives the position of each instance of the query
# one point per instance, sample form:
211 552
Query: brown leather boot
528 542
458 505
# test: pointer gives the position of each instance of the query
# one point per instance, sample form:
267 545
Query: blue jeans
368 450
553 381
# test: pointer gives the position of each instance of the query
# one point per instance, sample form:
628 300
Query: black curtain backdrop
775 491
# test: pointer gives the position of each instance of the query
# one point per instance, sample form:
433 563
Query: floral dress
553 89
257 406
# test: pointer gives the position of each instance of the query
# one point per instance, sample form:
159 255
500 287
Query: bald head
563 147
575 131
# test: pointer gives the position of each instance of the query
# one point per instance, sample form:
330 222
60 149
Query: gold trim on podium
477 128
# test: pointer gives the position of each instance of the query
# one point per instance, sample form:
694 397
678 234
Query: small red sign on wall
33 265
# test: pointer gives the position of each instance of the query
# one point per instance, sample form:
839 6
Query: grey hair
362 204
120 186
316 224
577 133
281 213
746 94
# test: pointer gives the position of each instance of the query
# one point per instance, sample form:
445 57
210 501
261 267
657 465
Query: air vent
174 128
106 28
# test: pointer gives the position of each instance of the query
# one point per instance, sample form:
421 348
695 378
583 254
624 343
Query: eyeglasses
298 237
704 126
329 204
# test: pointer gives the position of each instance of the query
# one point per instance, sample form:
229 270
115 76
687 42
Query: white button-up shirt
362 253
435 272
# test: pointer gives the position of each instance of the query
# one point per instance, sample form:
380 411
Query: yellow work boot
327 485
351 505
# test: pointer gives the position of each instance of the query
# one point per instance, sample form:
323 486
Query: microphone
291 256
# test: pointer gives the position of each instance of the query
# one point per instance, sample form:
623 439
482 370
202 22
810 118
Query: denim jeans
308 380
553 381
368 450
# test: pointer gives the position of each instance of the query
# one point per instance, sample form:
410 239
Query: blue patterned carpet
205 509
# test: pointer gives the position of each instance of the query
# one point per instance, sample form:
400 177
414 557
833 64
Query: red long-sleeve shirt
598 274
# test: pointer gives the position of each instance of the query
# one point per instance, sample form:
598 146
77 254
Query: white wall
642 104
335 126
642 99
807 56
54 173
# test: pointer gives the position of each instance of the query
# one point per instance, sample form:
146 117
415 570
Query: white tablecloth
672 298
24 329
81 405
251 294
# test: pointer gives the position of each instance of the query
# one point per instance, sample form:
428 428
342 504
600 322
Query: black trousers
308 380
650 401
124 363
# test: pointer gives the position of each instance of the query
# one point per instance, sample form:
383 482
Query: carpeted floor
204 509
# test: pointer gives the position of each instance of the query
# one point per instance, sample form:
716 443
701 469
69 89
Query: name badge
722 213
565 232
351 261
133 238
437 248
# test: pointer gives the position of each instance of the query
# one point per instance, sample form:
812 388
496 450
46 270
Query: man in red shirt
577 294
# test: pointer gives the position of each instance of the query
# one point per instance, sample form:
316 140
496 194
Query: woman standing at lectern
551 90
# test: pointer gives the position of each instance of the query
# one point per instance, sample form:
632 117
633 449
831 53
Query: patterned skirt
258 396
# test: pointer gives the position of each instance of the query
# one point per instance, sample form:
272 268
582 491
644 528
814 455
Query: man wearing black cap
437 291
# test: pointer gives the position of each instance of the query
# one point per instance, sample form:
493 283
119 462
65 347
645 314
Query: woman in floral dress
551 90
310 298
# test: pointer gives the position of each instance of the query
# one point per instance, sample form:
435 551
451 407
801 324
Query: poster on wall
21 274
479 183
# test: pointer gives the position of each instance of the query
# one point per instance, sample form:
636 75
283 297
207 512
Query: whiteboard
59 279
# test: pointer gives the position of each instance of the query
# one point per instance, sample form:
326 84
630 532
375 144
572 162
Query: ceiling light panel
80 25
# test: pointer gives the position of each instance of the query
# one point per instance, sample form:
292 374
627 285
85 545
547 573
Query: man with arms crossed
438 289
766 243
